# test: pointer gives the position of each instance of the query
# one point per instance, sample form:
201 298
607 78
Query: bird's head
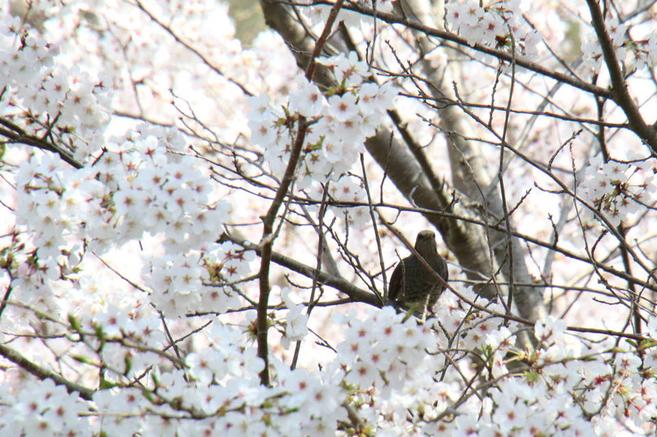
426 242
427 234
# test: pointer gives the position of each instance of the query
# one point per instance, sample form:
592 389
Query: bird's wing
440 266
395 284
444 271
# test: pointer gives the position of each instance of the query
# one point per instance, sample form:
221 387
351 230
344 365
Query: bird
412 285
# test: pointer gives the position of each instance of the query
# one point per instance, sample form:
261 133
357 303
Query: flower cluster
42 408
126 339
176 282
338 126
57 98
20 53
618 190
296 321
60 206
156 190
634 54
592 52
223 358
498 25
228 262
347 190
564 382
139 185
221 391
198 282
463 327
385 350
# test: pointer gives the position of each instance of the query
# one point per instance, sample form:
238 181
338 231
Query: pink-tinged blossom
616 190
343 108
374 355
296 321
42 407
307 100
348 69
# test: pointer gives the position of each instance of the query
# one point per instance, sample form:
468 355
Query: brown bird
411 283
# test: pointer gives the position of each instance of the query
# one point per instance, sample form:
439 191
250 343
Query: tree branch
499 54
17 135
620 94
268 235
355 294
43 373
